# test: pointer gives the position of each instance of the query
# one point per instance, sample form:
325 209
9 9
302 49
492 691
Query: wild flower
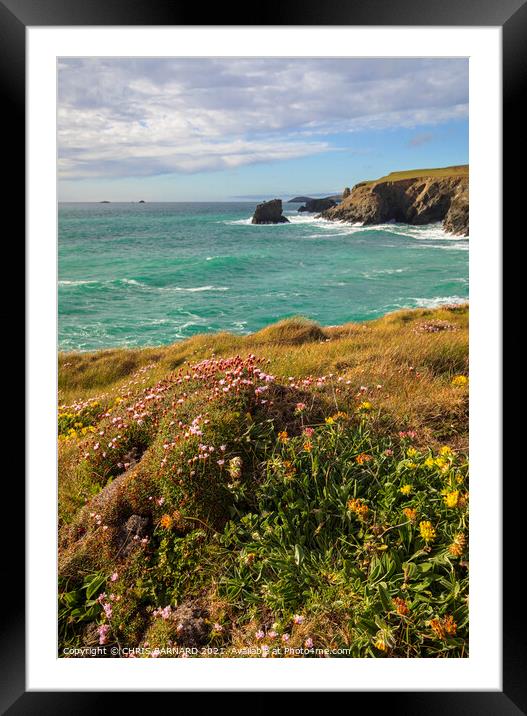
458 546
443 627
405 489
365 406
308 446
114 577
166 522
459 380
235 468
357 506
259 634
362 458
298 619
451 498
410 513
103 630
309 432
300 407
411 452
427 531
401 606
285 637
283 437
308 643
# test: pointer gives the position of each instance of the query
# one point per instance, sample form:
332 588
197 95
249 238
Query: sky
233 129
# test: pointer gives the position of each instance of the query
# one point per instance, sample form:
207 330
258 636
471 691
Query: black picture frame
511 16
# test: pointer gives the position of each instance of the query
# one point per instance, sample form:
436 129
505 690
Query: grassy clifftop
299 488
459 170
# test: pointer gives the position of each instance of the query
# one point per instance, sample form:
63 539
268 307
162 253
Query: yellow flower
428 533
380 644
446 451
283 437
451 498
365 405
430 462
458 546
459 380
329 421
410 513
405 489
411 452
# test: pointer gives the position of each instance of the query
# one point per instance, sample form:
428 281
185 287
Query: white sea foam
193 289
75 283
439 301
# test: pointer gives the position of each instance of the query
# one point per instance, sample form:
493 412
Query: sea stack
269 212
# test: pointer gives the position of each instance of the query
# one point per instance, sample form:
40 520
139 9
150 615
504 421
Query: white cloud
140 117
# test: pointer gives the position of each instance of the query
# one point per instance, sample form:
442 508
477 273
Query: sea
134 274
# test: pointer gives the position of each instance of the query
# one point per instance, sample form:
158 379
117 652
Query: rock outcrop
318 205
269 212
419 199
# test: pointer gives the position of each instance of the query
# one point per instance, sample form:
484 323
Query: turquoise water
148 274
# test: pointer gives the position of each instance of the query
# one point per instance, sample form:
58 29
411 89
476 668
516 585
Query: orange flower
166 521
283 437
362 458
358 507
401 606
444 627
410 513
458 545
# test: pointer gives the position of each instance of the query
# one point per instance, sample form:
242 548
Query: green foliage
77 607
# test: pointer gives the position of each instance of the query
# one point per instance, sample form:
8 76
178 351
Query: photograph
263 357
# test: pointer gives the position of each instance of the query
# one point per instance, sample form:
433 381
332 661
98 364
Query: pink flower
388 452
114 577
285 637
308 432
308 643
259 634
103 633
300 407
298 619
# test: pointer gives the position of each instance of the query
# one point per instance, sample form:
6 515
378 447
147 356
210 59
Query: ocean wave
439 301
192 289
115 283
382 272
76 283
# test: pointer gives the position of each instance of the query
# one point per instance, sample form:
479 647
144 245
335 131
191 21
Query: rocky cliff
420 197
269 212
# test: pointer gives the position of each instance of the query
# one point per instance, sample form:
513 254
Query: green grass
441 172
301 485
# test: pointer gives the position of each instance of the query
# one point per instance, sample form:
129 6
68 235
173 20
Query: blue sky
165 129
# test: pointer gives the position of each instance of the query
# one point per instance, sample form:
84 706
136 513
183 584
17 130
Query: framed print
249 267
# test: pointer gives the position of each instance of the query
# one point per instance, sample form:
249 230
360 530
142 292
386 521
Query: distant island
105 201
418 196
